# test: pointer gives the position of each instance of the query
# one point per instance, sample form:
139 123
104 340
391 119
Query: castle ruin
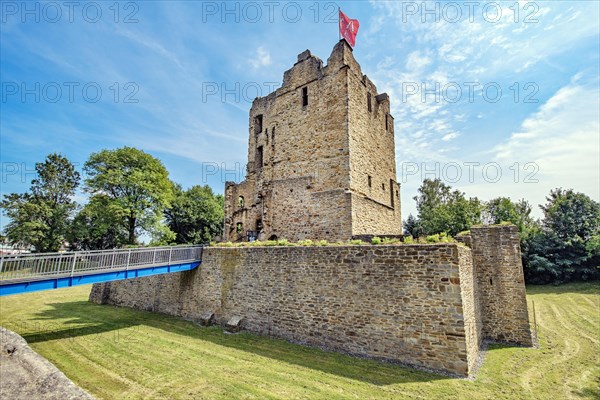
321 166
321 158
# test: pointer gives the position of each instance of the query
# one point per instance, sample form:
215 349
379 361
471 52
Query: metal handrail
44 265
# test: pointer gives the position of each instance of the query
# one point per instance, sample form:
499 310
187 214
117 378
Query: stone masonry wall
297 190
501 285
410 303
471 308
376 194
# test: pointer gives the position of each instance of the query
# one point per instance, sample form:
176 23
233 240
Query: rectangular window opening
304 96
387 126
369 102
259 157
273 137
258 124
369 180
392 192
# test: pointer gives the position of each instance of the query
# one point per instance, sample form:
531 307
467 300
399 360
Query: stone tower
321 160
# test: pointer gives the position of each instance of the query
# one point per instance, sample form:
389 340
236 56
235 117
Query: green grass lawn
122 353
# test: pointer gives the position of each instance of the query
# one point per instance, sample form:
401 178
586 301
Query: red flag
348 28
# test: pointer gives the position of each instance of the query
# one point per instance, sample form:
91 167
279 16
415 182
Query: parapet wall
425 305
401 303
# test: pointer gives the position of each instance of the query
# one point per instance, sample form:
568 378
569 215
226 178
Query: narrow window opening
267 135
259 157
273 137
239 227
259 225
392 193
387 126
304 96
241 202
369 180
383 186
369 102
491 283
258 124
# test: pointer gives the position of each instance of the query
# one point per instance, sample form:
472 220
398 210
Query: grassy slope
121 353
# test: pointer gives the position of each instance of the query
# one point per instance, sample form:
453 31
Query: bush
408 239
322 243
390 240
356 242
376 240
433 238
439 238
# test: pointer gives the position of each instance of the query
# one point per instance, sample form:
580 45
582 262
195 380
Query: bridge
21 273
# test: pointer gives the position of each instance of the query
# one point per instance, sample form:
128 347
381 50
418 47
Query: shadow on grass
588 393
592 287
83 318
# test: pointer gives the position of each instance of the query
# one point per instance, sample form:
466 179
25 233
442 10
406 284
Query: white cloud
562 138
416 61
261 59
449 136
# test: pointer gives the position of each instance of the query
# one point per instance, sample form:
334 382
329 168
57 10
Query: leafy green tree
40 217
98 225
502 209
566 247
196 215
570 214
443 210
136 184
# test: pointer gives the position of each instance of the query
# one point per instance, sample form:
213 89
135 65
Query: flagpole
339 22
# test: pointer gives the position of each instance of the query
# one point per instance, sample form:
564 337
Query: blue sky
496 98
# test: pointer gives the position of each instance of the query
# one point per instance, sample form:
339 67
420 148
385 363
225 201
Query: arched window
241 202
239 227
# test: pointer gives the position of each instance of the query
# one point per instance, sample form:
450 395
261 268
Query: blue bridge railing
40 271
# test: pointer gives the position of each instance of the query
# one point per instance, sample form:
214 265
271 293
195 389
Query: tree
412 226
443 210
98 225
502 209
565 247
136 185
570 214
196 215
40 217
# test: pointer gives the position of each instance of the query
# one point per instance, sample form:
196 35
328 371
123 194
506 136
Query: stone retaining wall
401 303
425 305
